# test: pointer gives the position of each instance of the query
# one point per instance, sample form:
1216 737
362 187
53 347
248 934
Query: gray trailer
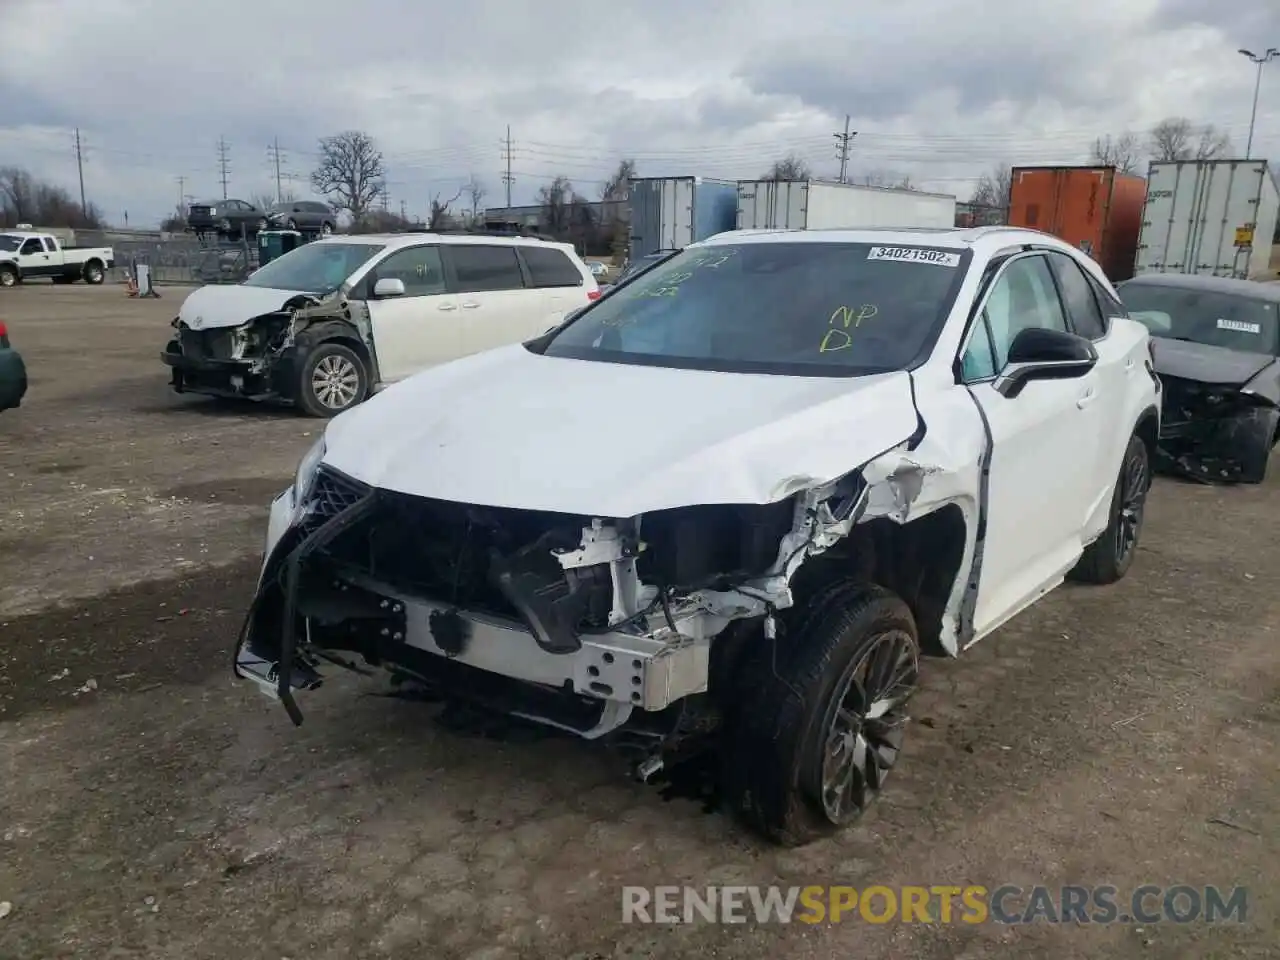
669 213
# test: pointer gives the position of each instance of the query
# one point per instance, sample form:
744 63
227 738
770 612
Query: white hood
509 428
227 305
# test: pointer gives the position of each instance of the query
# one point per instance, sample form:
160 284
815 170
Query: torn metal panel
1217 434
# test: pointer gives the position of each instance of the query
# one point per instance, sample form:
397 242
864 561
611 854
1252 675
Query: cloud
936 90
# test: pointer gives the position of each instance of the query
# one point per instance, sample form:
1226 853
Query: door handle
1129 365
448 306
1086 398
470 305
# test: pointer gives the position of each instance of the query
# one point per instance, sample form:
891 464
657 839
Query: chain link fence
174 258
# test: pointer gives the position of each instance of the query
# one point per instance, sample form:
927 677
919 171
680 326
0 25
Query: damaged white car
730 505
333 321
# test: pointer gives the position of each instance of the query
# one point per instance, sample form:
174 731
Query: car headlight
305 479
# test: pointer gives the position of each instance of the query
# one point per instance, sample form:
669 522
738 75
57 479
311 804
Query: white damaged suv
726 507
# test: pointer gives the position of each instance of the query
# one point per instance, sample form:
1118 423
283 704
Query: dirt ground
1120 736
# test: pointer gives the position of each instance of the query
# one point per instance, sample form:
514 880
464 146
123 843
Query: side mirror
1040 354
388 287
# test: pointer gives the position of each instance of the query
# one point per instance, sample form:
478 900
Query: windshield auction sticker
1239 326
915 255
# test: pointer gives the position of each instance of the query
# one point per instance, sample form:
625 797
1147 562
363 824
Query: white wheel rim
335 381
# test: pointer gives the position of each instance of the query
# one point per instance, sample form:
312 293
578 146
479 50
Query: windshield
790 307
9 243
1231 320
315 267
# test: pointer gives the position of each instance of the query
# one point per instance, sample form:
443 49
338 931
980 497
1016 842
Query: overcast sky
938 90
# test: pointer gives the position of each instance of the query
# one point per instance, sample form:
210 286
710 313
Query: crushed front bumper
291 633
249 379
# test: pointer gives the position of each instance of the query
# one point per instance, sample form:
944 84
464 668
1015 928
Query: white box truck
822 205
1210 217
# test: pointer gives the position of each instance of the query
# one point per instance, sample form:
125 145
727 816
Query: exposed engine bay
1216 433
260 358
580 623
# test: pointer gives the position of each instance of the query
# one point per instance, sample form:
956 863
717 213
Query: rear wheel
326 229
1109 557
819 721
292 224
333 379
94 272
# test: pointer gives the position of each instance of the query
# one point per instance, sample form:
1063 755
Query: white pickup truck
28 256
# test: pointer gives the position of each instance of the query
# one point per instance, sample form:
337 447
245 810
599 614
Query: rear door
1111 382
497 306
421 328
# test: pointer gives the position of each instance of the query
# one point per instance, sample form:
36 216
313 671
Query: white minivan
330 322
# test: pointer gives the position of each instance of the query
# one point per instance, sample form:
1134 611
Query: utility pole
403 214
84 207
274 152
507 178
386 198
182 190
224 164
1261 60
843 140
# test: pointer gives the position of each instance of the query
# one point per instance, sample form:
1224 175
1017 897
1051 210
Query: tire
94 273
292 224
337 364
9 276
224 226
791 716
1109 557
326 229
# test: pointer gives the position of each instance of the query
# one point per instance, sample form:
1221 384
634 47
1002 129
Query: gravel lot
1109 736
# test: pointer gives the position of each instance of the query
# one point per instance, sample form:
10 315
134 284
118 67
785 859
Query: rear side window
1078 297
480 268
549 267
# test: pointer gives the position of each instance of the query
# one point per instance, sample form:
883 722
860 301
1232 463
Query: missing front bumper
308 614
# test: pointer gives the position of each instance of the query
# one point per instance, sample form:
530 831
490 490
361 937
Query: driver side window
1024 296
32 246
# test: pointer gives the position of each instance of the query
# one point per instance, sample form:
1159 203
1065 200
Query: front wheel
333 379
326 229
819 719
1109 557
8 276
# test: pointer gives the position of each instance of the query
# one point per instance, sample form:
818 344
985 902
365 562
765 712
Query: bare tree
440 210
556 198
351 172
618 187
992 189
790 167
881 178
24 199
1174 138
265 201
476 192
1123 152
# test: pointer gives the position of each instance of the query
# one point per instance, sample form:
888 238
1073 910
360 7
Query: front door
1043 452
421 328
34 260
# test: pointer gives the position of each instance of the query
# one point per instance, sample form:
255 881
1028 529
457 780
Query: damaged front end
1216 433
262 358
579 623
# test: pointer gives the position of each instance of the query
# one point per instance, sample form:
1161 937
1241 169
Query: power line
507 178
224 164
84 207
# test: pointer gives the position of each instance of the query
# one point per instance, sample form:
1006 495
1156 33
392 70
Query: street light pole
1261 61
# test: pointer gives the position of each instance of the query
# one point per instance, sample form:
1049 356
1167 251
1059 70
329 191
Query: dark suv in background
309 215
226 218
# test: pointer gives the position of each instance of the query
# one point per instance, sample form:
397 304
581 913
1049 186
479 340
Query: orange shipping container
1096 209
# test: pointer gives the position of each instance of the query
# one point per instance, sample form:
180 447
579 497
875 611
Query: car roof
988 240
397 240
1191 281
